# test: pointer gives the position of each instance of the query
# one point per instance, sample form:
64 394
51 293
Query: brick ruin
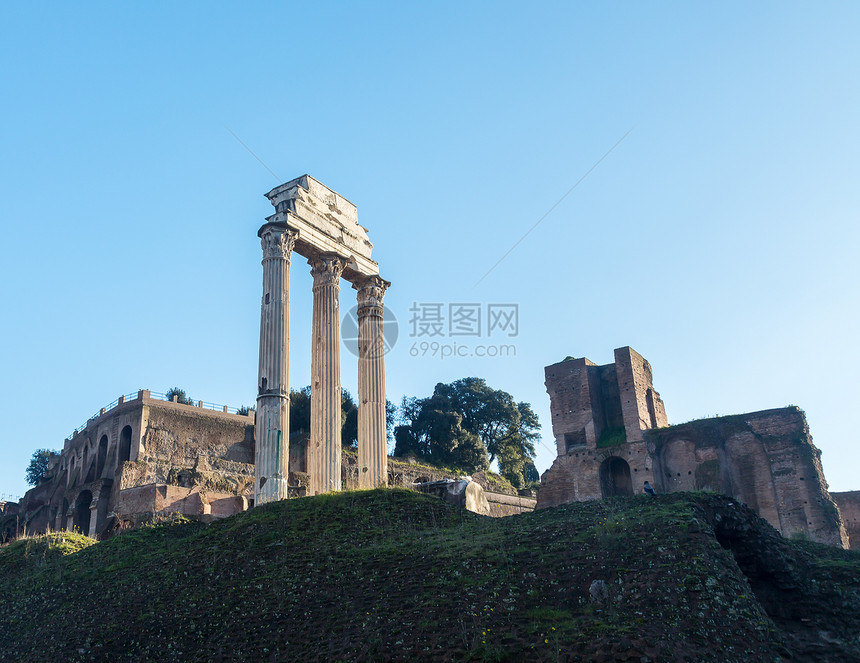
612 435
139 456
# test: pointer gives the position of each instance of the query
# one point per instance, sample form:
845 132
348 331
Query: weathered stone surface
326 223
612 436
325 448
137 445
372 428
273 384
591 404
849 507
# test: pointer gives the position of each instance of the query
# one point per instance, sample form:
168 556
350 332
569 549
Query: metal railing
156 395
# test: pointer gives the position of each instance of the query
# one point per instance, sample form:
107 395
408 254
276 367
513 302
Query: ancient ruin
612 435
322 226
143 455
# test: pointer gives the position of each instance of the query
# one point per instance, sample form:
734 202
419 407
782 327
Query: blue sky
719 238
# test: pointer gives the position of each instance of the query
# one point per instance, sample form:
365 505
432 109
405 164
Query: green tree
300 415
300 410
460 417
181 396
38 467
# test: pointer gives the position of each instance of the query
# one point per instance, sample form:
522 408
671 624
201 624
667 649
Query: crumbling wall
571 404
576 477
140 503
764 459
849 507
183 436
641 406
502 505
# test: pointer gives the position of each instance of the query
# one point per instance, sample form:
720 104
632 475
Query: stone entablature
325 222
612 435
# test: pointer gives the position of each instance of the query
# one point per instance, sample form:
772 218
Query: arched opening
125 445
82 512
102 456
615 478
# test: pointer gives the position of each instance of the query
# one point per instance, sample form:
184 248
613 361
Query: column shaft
324 452
372 430
273 389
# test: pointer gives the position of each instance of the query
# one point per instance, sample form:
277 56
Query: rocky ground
391 575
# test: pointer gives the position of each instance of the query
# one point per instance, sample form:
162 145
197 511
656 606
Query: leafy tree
348 420
181 396
467 423
300 415
38 467
300 410
531 474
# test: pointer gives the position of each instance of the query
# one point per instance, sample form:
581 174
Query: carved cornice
371 292
327 269
278 242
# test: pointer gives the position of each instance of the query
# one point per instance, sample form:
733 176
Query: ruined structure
612 435
142 455
322 226
849 507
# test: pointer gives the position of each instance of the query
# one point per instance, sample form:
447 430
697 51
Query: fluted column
324 448
273 388
372 432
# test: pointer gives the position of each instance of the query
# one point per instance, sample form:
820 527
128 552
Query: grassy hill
392 575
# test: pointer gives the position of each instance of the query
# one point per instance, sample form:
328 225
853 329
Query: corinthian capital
371 291
278 242
326 269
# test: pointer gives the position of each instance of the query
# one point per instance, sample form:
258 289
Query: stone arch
615 478
124 445
81 520
102 456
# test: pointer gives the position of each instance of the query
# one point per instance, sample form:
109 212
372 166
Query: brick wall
849 507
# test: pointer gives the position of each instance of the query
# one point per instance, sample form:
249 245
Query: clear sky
719 238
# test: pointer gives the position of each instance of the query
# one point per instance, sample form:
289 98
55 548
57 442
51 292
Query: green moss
612 437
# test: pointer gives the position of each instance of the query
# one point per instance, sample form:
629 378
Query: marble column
324 446
372 432
273 389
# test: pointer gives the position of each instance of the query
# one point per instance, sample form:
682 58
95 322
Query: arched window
125 445
82 512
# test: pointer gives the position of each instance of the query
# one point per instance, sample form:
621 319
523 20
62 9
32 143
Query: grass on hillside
389 575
